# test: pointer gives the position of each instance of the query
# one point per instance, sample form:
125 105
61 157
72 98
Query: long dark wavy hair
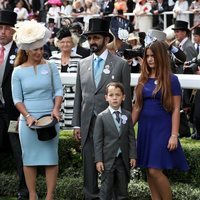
162 75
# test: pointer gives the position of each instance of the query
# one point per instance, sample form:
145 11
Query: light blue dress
34 89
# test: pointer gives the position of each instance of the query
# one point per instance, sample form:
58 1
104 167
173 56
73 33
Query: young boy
114 145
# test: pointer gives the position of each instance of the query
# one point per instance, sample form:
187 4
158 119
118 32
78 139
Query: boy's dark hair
116 85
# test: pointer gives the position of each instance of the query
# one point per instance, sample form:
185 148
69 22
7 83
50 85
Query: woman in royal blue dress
37 91
157 111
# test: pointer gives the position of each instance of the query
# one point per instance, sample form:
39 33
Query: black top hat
8 17
44 121
181 25
196 31
45 127
51 20
99 26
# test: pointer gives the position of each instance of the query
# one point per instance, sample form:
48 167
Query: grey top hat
8 17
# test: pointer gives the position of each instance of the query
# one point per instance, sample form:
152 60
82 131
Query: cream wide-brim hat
132 36
31 35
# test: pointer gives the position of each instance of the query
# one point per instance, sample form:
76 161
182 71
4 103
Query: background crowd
71 47
147 11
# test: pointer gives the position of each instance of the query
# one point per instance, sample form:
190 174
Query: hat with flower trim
120 27
31 35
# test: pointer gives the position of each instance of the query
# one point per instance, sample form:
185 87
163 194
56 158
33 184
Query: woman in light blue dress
37 90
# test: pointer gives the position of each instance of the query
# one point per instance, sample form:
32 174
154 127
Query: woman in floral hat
120 28
37 91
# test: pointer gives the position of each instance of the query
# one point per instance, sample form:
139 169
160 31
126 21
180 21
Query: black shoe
195 136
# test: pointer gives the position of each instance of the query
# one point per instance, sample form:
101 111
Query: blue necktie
97 71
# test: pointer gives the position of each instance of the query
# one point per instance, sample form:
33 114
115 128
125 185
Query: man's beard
95 48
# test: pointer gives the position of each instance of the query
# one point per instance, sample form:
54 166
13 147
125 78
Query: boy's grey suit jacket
107 139
90 100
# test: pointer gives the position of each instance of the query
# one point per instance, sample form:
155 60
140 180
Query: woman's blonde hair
162 74
76 3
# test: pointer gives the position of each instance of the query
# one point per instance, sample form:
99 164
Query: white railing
186 81
128 16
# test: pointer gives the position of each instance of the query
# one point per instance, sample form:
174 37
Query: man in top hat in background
185 44
8 111
195 66
196 37
94 73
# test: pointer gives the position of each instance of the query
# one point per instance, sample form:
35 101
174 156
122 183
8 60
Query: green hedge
192 152
69 186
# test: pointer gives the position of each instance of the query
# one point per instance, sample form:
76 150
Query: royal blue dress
154 131
34 88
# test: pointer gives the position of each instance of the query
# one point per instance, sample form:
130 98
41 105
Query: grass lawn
7 198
